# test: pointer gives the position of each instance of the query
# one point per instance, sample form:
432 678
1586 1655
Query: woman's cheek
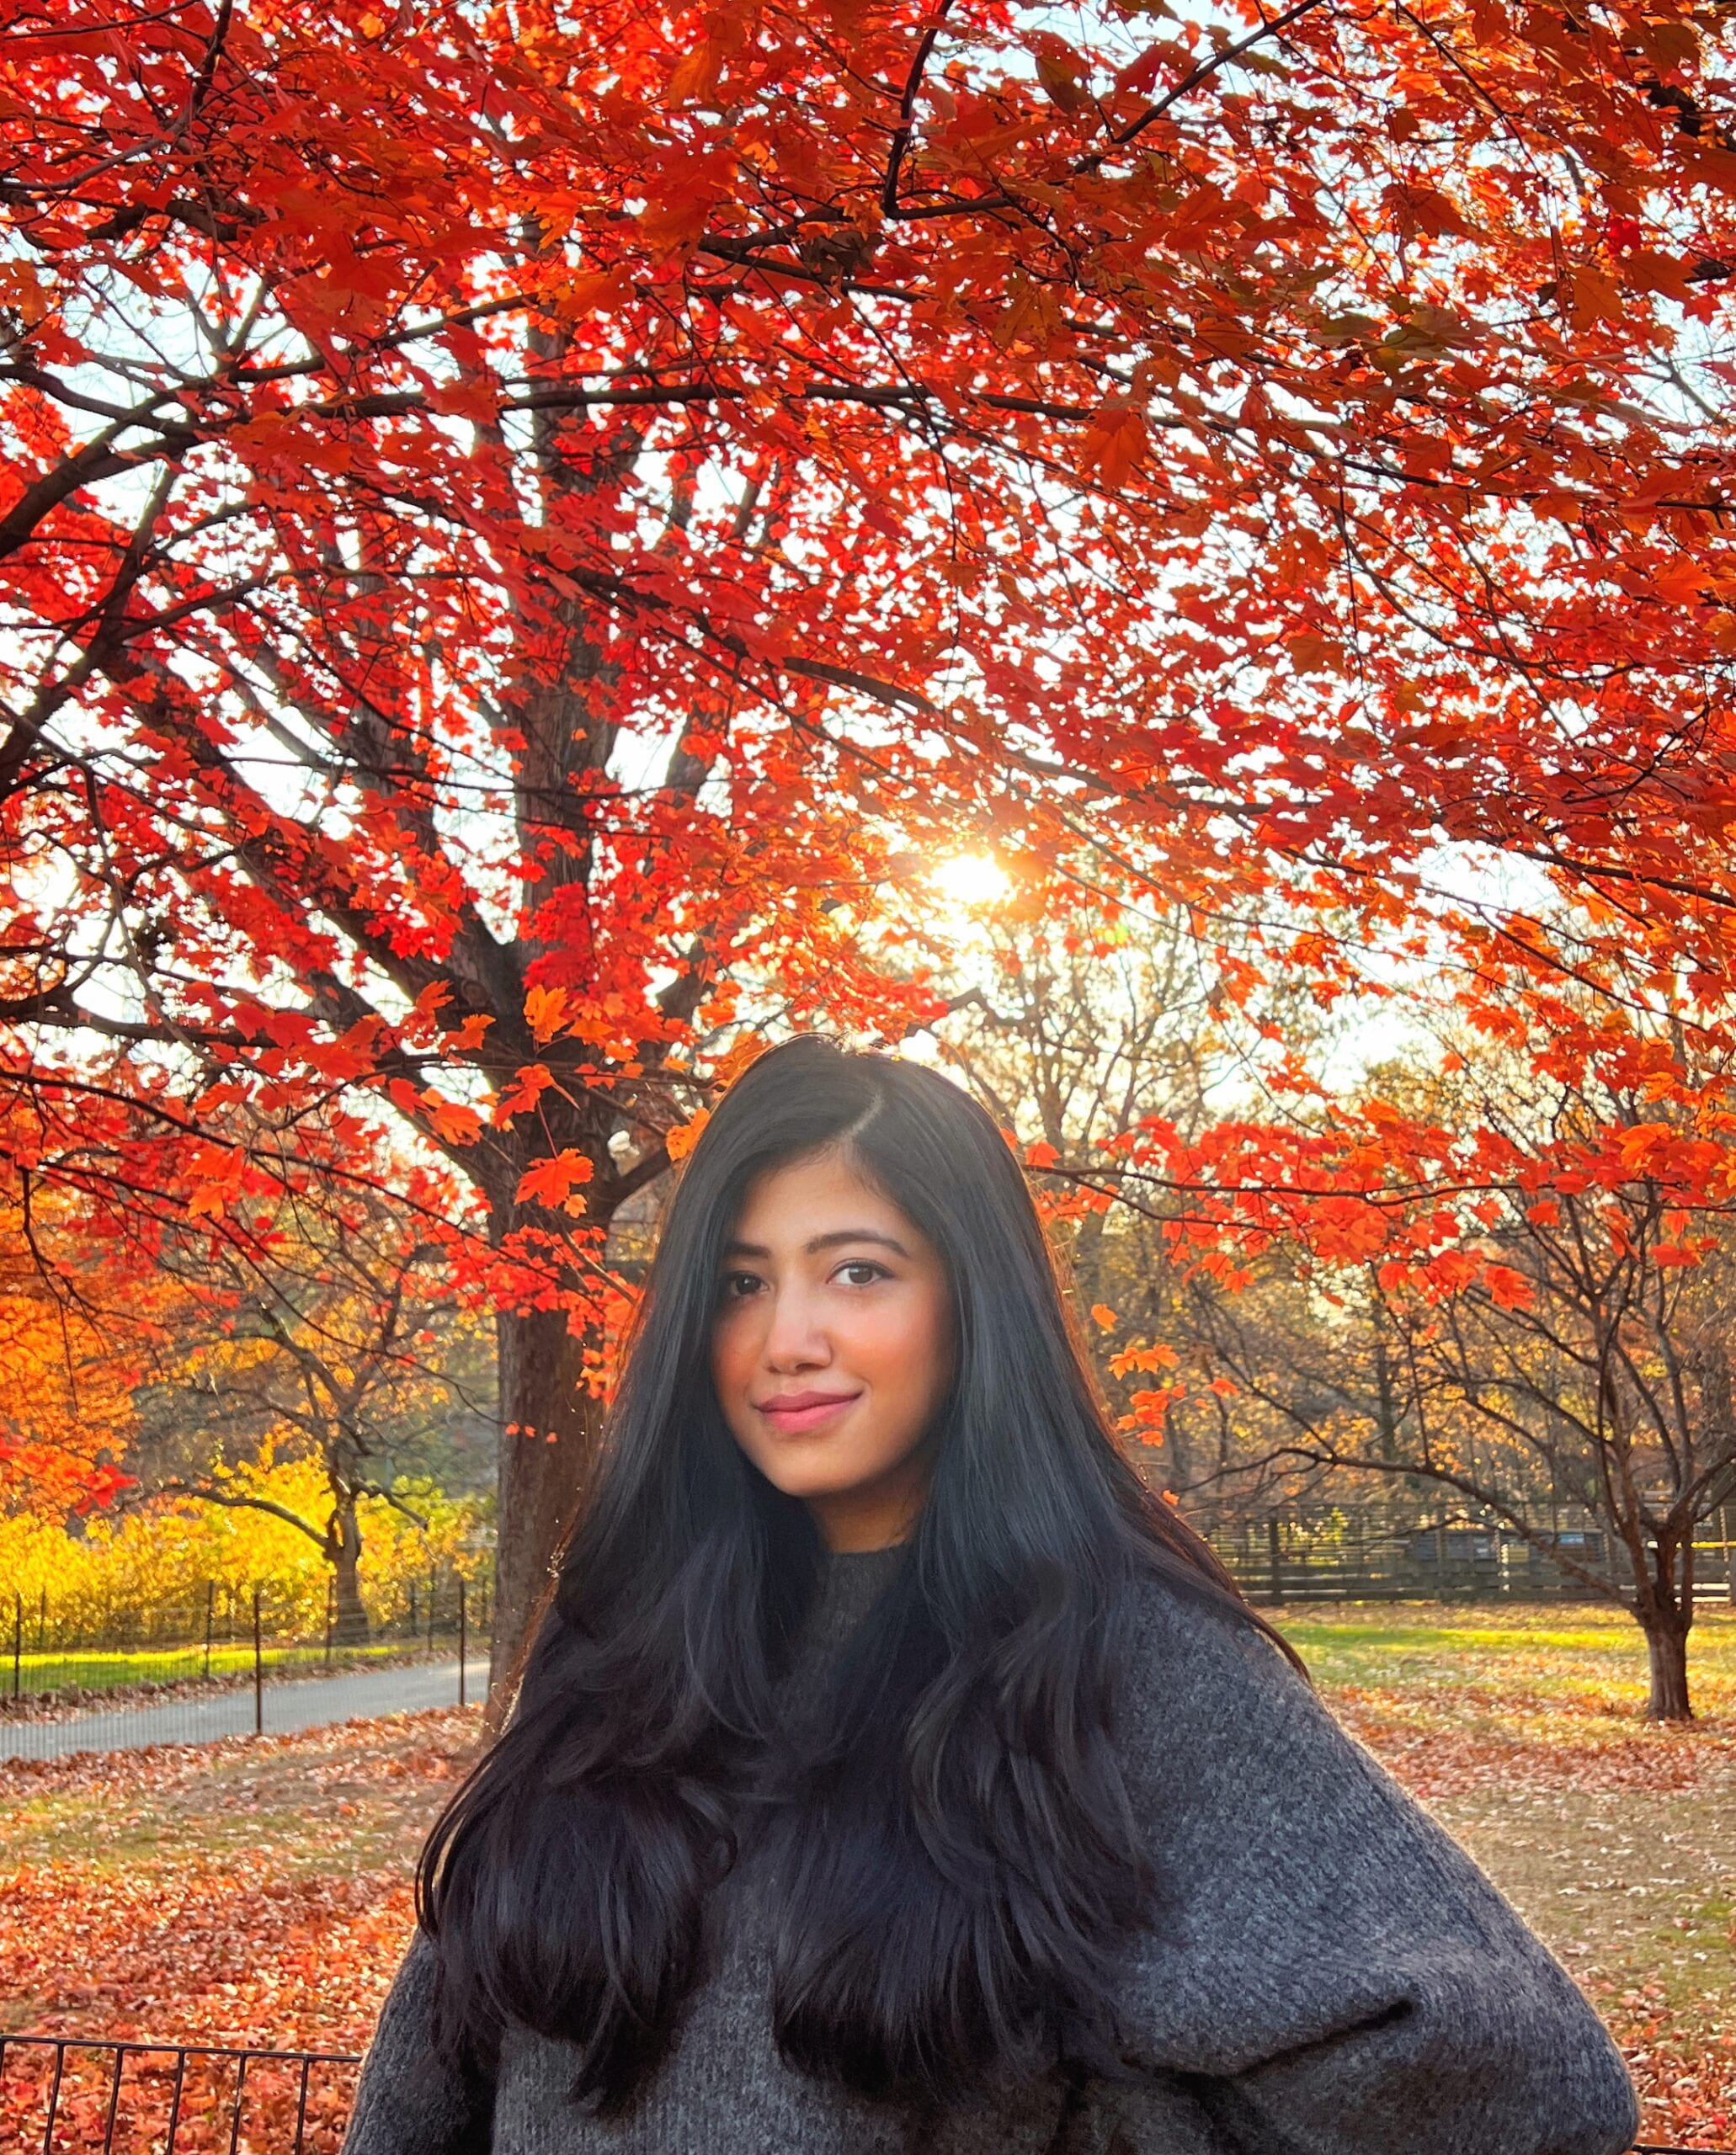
732 1357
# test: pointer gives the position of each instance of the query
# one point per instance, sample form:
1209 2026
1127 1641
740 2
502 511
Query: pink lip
805 1410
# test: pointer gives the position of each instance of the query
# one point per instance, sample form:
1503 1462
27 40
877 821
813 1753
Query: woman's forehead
818 1202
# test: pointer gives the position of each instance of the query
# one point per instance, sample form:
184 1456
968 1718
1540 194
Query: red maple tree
518 527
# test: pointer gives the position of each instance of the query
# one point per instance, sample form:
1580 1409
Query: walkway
310 1702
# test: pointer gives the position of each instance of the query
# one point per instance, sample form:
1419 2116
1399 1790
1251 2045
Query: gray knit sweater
1328 1974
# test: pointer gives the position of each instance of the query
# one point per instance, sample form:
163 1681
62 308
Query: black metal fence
79 1648
66 2095
62 2093
1375 1553
229 1663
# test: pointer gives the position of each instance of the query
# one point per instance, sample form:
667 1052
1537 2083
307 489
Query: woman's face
832 1349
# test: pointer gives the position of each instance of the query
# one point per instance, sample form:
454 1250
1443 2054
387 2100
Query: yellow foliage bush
154 1563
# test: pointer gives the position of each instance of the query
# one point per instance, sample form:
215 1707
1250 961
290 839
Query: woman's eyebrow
822 1241
854 1233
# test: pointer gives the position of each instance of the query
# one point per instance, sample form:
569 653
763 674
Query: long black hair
958 1855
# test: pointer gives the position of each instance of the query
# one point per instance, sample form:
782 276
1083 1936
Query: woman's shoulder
1178 1635
1203 1696
1240 1779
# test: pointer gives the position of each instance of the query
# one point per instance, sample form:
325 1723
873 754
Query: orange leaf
549 1181
450 1121
696 72
1114 447
681 1139
545 1010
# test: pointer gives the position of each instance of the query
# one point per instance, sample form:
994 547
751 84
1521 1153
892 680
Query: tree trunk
349 1619
549 1429
1667 1651
1386 1425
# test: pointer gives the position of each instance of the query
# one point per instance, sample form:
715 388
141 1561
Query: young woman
889 1772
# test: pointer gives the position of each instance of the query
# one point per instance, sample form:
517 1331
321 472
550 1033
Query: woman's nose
796 1338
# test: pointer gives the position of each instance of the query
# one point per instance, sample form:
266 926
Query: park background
1175 562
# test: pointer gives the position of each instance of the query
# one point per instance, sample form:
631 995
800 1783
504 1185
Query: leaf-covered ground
1522 1730
257 1890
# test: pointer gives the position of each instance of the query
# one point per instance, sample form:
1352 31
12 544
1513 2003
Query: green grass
40 1672
1543 1658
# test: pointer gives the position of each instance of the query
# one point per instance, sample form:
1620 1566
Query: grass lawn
257 1889
142 1668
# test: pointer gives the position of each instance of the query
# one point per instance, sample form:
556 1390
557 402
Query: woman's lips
808 1411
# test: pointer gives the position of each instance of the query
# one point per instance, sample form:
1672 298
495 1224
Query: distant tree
1075 1025
332 1339
76 1335
1528 1281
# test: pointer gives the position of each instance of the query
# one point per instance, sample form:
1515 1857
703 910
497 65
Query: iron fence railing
73 2095
255 1679
62 2093
82 1649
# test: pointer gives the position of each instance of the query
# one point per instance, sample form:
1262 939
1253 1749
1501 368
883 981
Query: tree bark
1667 1652
549 1429
349 1618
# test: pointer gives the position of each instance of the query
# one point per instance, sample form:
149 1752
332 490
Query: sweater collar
850 1582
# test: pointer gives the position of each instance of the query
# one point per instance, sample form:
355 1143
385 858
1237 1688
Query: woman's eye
867 1268
739 1285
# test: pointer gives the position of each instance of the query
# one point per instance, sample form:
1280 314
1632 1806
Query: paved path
308 1703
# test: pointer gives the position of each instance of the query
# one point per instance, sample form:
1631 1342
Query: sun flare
972 879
